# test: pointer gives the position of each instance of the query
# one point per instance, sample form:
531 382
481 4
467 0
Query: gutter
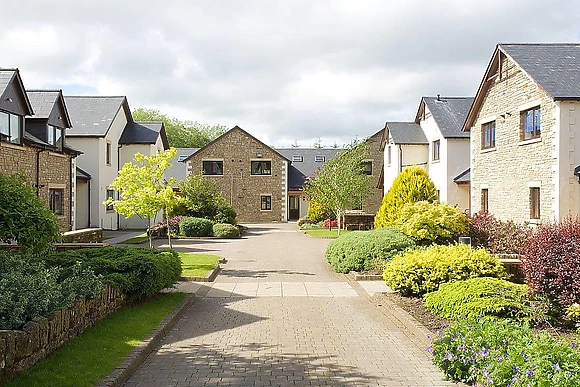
38 152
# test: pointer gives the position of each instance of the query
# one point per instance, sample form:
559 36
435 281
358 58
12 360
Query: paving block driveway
284 334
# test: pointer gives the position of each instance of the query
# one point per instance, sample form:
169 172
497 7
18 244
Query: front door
294 206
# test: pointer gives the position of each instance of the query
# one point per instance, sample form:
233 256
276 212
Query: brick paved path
273 338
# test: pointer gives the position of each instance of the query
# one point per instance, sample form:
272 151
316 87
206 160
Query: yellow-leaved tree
143 189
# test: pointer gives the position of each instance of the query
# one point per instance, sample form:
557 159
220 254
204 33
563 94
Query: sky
288 72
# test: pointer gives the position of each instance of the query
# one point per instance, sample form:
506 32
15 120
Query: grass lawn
138 239
197 265
97 351
324 232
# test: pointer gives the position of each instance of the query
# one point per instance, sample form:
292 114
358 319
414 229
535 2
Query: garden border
134 360
210 277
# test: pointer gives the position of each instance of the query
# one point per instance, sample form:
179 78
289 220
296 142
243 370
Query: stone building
33 142
252 176
524 126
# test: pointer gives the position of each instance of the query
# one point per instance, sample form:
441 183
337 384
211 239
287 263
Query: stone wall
85 235
54 172
21 349
372 203
513 166
240 188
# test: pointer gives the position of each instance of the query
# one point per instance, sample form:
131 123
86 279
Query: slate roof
143 133
42 101
91 115
300 170
82 174
463 178
554 66
407 133
178 169
35 140
5 78
449 114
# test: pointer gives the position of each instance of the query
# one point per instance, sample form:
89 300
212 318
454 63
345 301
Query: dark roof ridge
95 96
542 44
444 97
43 90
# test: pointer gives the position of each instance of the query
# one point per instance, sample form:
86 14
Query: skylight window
319 159
297 158
181 158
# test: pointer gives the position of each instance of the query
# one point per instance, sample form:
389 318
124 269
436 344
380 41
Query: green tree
340 184
411 186
181 134
24 217
143 189
203 199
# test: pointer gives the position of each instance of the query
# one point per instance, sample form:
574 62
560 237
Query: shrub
497 236
359 249
551 262
225 230
430 223
305 220
28 289
422 271
412 185
25 218
139 272
201 196
195 227
318 212
477 297
308 226
497 352
225 214
329 223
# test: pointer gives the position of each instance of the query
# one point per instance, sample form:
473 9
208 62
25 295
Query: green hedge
478 297
225 230
29 289
358 250
422 271
139 272
195 227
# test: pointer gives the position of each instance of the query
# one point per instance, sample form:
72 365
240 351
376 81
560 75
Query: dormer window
319 159
297 158
54 137
10 128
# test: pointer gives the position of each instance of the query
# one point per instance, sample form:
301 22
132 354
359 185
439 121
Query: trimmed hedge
139 272
422 271
478 297
195 227
358 249
29 289
225 230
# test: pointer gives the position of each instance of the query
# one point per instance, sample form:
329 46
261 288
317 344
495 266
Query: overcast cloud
282 70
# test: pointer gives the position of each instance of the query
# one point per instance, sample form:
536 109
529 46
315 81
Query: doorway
294 208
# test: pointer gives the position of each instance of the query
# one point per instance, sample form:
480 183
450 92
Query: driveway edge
128 366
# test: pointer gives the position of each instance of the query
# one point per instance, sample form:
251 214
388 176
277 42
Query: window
181 158
110 195
484 200
438 195
389 155
436 149
488 135
261 167
10 127
297 158
530 123
54 138
368 167
213 167
55 200
108 154
319 159
265 203
534 203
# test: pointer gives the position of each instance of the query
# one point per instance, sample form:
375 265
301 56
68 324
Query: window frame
8 137
108 153
319 159
109 193
52 201
266 205
485 200
264 172
536 123
485 127
297 159
389 154
368 172
436 151
212 171
535 203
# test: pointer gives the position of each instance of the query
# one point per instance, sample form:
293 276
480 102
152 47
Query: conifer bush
411 186
430 223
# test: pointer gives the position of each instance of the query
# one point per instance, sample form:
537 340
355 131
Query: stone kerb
21 349
86 235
